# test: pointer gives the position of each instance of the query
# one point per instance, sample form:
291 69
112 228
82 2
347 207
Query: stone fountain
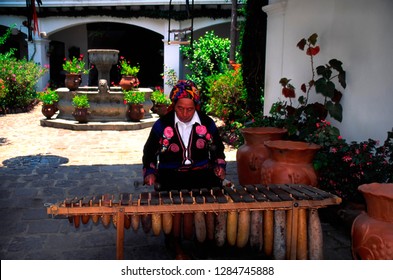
106 103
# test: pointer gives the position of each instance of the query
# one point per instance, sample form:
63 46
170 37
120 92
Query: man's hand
150 180
220 172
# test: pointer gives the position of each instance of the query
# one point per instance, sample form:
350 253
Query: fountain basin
104 107
103 59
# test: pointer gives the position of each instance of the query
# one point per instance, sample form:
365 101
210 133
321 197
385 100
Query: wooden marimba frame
291 226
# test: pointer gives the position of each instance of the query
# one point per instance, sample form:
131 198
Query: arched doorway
138 45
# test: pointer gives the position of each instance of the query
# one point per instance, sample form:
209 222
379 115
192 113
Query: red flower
312 51
303 88
288 92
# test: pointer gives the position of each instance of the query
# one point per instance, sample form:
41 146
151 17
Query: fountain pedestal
103 59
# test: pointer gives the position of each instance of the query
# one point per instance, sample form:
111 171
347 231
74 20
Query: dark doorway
56 59
138 45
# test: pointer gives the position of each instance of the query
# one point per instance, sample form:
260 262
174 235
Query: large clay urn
135 112
128 82
372 231
290 162
251 155
73 81
48 110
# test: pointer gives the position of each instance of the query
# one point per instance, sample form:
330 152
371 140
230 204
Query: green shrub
227 96
227 101
19 80
209 55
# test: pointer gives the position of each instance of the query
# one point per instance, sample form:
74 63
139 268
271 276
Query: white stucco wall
357 32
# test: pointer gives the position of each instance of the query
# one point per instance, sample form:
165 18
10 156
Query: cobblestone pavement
43 165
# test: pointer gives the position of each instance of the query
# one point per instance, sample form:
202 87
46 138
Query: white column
171 60
274 51
38 52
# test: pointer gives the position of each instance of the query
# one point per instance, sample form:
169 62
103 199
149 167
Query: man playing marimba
184 149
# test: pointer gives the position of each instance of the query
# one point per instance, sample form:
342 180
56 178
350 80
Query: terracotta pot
73 81
128 82
81 114
48 110
290 162
372 232
135 112
160 109
251 155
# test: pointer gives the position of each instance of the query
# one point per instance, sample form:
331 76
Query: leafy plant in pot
82 105
161 101
49 99
75 68
129 74
134 99
300 120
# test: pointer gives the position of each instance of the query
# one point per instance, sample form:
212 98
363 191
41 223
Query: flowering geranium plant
343 167
49 96
75 65
127 69
158 97
300 119
134 97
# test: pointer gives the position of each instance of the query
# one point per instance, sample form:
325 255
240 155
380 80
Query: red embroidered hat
185 89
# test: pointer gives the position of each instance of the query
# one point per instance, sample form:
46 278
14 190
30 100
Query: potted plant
129 74
301 116
49 99
135 100
75 68
161 101
81 104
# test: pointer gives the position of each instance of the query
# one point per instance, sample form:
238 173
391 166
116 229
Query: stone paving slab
41 165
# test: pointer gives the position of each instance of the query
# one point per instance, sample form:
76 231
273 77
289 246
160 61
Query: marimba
281 220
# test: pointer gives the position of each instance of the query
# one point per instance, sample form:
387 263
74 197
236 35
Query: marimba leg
301 253
268 232
120 235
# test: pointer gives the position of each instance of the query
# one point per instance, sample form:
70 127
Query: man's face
185 109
